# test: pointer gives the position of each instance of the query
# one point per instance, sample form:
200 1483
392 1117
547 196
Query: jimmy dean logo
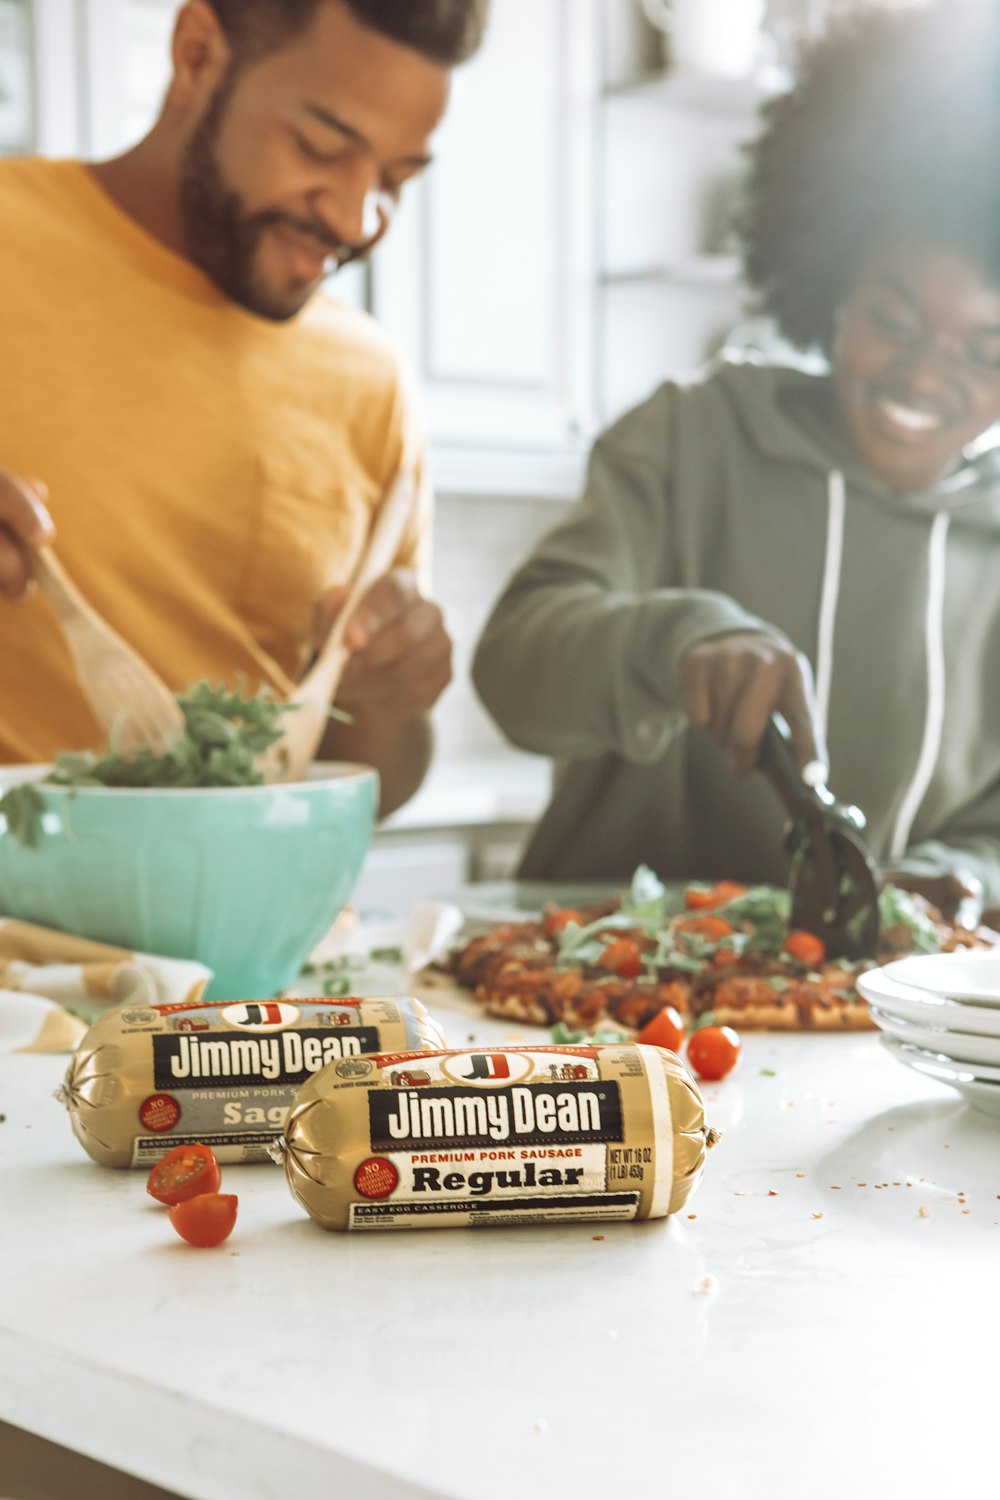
531 1114
188 1060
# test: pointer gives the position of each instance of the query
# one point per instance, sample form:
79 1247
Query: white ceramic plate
956 1045
926 1009
983 1095
964 1071
973 977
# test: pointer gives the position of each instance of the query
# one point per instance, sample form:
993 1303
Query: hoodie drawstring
930 747
829 593
934 716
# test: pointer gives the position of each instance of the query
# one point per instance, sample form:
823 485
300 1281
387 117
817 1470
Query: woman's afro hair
893 123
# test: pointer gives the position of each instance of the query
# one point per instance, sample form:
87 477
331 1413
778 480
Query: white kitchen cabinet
670 279
488 277
17 91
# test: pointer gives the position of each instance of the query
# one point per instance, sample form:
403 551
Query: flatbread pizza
719 953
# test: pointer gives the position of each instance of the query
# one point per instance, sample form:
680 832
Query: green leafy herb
224 732
604 1036
21 809
386 955
898 906
767 909
648 903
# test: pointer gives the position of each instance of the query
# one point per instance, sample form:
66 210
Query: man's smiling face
916 358
299 160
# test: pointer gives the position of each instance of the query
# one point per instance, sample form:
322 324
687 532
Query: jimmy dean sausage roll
521 1135
148 1078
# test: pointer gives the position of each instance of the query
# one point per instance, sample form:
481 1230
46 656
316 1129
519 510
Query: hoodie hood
785 413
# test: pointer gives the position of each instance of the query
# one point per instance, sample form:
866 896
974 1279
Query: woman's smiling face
916 358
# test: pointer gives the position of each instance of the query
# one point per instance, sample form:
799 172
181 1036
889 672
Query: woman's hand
958 897
732 684
24 523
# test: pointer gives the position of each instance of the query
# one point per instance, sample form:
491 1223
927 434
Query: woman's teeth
907 418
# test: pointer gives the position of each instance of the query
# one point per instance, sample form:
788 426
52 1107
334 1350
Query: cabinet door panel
486 278
17 105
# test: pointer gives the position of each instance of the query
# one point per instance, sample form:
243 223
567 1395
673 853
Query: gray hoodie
733 504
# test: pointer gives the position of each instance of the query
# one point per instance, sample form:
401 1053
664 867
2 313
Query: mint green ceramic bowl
246 880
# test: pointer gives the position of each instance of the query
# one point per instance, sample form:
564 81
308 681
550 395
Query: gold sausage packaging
147 1078
522 1135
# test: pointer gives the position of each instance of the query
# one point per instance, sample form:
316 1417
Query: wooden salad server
136 708
290 758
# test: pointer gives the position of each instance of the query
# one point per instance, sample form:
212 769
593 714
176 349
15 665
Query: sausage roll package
147 1078
522 1135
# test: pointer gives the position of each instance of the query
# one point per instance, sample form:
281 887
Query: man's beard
221 237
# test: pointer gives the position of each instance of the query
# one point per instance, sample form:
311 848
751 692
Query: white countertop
845 1344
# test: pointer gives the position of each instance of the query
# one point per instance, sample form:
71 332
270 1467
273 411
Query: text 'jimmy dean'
531 1113
187 1060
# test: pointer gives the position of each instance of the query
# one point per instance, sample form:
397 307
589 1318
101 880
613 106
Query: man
203 440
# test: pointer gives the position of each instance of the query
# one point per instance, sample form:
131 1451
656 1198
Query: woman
822 545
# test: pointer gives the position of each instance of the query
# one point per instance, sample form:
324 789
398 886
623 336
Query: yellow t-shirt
211 473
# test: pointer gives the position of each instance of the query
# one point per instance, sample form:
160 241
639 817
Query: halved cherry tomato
664 1030
623 956
713 1052
558 918
806 947
723 957
183 1173
716 895
206 1220
709 928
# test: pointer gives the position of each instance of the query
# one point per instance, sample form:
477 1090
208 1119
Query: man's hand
399 666
400 661
24 523
731 684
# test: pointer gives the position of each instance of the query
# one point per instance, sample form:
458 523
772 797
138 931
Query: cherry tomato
623 956
206 1220
709 928
558 918
664 1030
806 947
713 1052
716 895
183 1173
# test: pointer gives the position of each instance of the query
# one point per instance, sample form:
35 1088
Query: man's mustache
341 250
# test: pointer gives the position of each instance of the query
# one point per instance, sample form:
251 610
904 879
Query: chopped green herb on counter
604 1036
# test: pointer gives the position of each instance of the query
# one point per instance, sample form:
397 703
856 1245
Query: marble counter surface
821 1321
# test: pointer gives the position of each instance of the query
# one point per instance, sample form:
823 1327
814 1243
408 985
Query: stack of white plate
940 1014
